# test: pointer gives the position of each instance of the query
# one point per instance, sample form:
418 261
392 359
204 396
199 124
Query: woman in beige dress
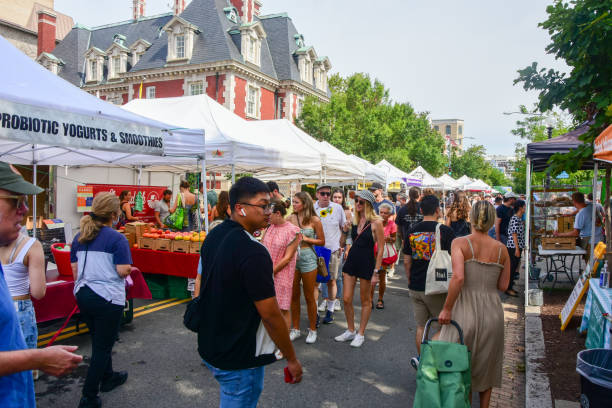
481 268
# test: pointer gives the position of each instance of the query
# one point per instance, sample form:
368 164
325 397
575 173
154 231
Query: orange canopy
603 145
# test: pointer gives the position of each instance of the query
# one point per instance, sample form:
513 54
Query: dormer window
232 14
117 57
252 35
50 61
321 68
306 58
181 37
138 49
94 58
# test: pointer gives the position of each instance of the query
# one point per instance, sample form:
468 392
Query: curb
537 385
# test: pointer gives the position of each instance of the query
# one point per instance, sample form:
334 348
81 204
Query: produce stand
166 263
59 300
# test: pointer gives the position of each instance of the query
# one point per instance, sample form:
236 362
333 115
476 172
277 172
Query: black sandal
380 304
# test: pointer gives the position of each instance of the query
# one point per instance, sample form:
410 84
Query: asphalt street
165 369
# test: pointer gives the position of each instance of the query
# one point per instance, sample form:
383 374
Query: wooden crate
147 243
558 243
194 247
565 223
136 228
131 238
163 244
181 246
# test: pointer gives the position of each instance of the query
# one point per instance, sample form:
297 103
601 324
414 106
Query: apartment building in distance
450 129
503 163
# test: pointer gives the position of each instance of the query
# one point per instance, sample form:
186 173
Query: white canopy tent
478 185
463 181
448 182
371 172
427 180
394 175
44 120
333 165
232 144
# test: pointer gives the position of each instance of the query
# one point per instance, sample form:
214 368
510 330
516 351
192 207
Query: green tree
580 32
473 164
361 119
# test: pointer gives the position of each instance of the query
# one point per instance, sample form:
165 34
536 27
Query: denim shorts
306 260
27 321
239 388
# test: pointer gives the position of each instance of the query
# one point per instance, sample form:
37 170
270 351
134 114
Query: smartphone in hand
288 376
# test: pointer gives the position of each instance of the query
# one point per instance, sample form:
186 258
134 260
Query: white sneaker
357 341
294 334
346 336
312 336
323 305
337 307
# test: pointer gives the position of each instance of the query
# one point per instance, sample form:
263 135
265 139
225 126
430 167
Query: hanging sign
150 195
48 126
85 197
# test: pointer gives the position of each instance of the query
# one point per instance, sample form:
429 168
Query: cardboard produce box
146 243
131 238
194 247
181 246
136 228
558 243
163 244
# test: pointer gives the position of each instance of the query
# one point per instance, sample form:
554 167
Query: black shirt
405 221
420 244
241 273
504 214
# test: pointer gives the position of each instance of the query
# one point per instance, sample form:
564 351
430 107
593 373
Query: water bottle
604 276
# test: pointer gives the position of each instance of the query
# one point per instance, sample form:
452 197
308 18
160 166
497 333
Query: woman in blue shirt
101 260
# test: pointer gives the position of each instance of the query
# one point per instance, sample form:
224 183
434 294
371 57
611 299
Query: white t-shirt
333 219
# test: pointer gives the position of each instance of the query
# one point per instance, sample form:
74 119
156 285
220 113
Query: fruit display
193 236
170 241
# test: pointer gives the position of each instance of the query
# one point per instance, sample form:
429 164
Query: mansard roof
218 39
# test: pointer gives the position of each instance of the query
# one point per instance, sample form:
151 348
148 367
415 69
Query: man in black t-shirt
419 246
503 214
241 320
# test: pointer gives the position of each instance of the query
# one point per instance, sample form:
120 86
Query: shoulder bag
321 264
177 218
439 271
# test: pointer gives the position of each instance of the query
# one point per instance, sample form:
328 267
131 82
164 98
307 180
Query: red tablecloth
166 263
59 299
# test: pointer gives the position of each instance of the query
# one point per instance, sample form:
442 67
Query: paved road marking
144 310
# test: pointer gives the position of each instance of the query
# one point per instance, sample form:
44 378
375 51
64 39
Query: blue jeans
239 388
27 321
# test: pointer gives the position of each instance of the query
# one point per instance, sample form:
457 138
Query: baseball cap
324 185
376 186
11 180
510 194
366 195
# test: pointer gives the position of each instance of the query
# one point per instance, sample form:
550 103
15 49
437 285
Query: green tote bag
176 219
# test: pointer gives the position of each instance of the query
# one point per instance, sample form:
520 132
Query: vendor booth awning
540 152
46 120
394 175
478 185
463 181
371 172
230 142
427 180
449 183
603 145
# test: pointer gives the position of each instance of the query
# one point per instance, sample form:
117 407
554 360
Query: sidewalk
512 392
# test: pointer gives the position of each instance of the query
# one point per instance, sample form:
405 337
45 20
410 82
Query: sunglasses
325 193
19 202
360 201
265 207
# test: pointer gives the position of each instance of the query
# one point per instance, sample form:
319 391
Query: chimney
46 31
139 9
179 7
247 9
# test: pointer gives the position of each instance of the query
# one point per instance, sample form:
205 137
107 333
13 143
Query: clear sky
454 59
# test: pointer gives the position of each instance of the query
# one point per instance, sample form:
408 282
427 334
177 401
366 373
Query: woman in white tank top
23 262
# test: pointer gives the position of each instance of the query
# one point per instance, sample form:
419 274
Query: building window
448 129
196 88
116 66
437 128
180 46
279 113
253 102
151 92
300 106
93 70
460 130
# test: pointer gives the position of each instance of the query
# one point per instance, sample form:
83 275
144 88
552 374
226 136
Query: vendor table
59 300
558 263
595 320
166 263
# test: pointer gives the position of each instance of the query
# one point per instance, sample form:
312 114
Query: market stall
449 183
479 186
427 180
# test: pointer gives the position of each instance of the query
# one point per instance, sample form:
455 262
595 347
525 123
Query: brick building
33 26
451 130
258 66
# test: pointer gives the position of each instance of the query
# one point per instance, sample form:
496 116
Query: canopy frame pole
593 216
34 199
527 255
139 175
233 173
204 181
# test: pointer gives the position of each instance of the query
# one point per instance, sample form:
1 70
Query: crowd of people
261 254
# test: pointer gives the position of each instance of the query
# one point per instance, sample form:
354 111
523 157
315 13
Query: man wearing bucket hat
16 360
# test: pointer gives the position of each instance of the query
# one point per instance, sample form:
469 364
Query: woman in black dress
362 263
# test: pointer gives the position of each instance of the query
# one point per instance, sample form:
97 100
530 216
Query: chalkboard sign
597 325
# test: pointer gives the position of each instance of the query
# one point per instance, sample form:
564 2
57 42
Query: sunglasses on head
325 193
